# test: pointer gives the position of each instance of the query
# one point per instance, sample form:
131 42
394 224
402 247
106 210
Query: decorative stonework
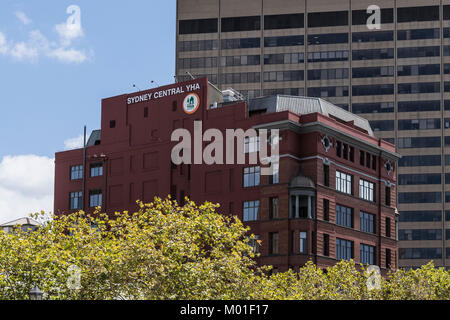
327 144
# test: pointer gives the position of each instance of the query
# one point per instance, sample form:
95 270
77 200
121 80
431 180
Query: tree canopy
167 251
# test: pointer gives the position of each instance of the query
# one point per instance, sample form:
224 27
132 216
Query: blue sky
52 81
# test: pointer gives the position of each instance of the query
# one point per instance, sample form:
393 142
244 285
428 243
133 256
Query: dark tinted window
419 142
420 216
198 26
422 87
420 234
414 106
373 36
430 13
447 12
420 197
418 52
378 89
373 54
328 38
285 41
382 125
419 124
284 21
369 72
417 161
241 24
417 34
414 179
328 56
284 58
293 75
328 92
243 43
421 69
375 107
327 19
420 253
327 74
360 17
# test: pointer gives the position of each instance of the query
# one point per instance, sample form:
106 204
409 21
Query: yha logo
191 103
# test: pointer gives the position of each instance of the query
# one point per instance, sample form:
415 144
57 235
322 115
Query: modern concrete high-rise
398 77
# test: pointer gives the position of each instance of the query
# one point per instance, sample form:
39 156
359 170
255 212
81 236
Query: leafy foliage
165 251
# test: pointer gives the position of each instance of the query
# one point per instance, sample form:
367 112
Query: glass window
367 222
273 243
303 243
251 209
382 125
96 170
371 54
273 208
241 24
418 52
367 254
327 19
330 38
418 161
417 34
421 87
366 190
359 17
419 142
344 249
420 216
95 198
422 124
373 36
344 216
198 26
344 182
420 234
323 92
328 74
76 199
370 90
420 197
373 107
369 72
420 253
414 14
244 43
76 172
284 21
284 41
276 76
251 177
415 106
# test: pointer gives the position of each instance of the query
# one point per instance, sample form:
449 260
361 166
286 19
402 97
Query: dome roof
302 182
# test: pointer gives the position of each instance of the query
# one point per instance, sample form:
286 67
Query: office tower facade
333 197
397 77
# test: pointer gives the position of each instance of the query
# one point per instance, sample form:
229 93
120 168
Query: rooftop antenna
189 74
156 83
134 86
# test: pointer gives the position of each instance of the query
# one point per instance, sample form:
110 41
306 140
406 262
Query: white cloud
23 51
23 17
74 143
26 186
68 55
38 45
69 32
3 44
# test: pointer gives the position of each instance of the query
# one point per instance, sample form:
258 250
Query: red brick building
334 197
